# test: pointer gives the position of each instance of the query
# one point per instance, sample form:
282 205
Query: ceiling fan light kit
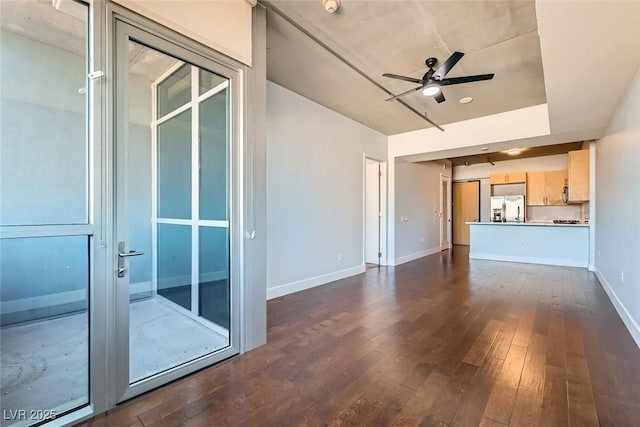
433 80
430 90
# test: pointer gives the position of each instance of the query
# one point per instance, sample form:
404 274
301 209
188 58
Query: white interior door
445 212
372 212
177 299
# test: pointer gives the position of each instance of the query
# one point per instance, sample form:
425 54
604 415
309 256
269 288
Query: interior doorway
466 208
374 208
445 212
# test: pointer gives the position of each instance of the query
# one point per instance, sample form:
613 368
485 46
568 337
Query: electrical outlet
339 256
422 239
622 277
598 253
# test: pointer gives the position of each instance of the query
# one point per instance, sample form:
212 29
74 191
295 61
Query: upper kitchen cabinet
578 176
508 178
536 189
555 181
545 188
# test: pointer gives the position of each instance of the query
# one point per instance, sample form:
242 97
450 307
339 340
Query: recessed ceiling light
514 151
430 90
465 100
484 149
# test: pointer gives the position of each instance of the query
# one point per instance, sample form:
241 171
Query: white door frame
383 208
445 243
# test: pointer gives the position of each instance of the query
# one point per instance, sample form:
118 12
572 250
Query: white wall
617 226
482 171
315 187
417 209
224 25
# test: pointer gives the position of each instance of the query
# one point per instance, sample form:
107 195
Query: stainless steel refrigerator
508 209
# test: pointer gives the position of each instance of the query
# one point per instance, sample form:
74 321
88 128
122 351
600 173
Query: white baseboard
32 303
177 281
628 321
60 298
416 255
530 260
301 285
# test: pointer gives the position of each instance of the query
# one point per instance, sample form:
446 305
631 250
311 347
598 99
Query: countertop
545 224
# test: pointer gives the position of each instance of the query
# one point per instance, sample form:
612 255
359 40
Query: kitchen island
531 242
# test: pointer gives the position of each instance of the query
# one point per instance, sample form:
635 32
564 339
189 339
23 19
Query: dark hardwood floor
438 341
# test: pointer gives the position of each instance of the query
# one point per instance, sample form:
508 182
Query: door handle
122 255
130 253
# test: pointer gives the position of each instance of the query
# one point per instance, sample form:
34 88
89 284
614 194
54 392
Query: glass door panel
174 91
46 231
174 167
45 324
209 80
173 198
213 279
214 138
174 263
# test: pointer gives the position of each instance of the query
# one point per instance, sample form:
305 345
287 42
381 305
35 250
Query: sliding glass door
176 300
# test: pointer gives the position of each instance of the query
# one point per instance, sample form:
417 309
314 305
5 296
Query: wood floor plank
582 410
527 410
418 405
503 395
481 346
534 365
438 341
613 412
475 399
488 422
555 407
450 398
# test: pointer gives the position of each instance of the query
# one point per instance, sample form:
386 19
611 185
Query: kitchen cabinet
508 178
554 183
536 189
578 176
545 188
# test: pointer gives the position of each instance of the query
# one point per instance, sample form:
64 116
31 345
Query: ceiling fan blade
447 65
394 97
406 79
465 79
440 97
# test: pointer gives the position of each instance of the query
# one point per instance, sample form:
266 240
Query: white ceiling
579 57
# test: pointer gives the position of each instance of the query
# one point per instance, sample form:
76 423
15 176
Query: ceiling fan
432 80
